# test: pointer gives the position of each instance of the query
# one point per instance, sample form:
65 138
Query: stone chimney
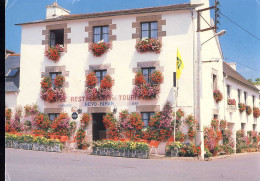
54 11
233 65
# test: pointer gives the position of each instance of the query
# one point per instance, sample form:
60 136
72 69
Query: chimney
54 11
233 65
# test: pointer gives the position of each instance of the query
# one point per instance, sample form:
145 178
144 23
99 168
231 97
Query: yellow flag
179 65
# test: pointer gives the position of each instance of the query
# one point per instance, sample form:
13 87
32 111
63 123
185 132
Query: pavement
26 165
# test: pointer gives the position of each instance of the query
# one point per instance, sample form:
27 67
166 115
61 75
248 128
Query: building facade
174 25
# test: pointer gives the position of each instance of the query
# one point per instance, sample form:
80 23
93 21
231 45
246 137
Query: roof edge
118 13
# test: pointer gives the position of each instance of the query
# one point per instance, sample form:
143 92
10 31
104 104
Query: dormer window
12 72
101 33
56 37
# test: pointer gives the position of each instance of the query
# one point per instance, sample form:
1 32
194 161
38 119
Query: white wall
11 99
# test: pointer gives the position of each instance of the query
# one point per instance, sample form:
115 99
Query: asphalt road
23 165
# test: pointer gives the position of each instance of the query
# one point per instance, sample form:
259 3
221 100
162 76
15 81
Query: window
53 76
149 30
254 127
238 94
12 72
101 33
215 116
53 116
100 74
56 37
146 117
253 97
243 126
245 96
215 82
228 91
147 73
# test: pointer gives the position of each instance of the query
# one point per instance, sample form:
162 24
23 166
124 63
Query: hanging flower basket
241 107
231 102
248 110
256 112
98 49
85 120
149 45
217 96
54 52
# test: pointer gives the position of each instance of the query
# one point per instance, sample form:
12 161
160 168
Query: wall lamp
222 32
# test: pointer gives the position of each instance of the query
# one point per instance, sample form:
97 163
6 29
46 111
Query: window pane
152 114
154 26
97 38
154 34
105 29
152 70
145 115
97 30
106 38
145 34
12 72
104 73
145 26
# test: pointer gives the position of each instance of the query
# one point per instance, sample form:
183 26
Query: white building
174 25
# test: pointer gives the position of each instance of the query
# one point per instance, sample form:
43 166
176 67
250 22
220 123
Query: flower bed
217 96
127 149
147 91
175 149
256 112
241 107
98 49
54 52
50 94
104 92
29 142
149 45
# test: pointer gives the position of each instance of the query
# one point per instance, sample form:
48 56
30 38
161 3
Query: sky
238 45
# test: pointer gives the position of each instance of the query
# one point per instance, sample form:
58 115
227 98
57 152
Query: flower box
26 146
54 52
149 45
120 153
16 145
98 49
53 148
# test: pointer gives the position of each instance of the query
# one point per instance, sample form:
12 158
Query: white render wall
11 99
123 58
237 117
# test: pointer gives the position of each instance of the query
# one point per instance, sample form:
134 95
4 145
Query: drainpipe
225 96
197 85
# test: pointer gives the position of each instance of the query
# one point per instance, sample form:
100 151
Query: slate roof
118 12
12 83
228 70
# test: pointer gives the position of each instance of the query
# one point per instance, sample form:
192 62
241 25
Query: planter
84 147
175 152
121 153
16 145
8 144
26 146
215 153
227 153
53 148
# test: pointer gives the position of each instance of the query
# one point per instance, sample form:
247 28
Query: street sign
74 115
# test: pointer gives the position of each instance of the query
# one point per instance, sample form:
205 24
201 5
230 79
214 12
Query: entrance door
99 130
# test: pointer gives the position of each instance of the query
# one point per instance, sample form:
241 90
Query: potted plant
54 52
241 107
85 145
256 112
216 150
248 110
217 96
231 102
98 49
149 45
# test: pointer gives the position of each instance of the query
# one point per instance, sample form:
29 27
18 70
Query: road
26 165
